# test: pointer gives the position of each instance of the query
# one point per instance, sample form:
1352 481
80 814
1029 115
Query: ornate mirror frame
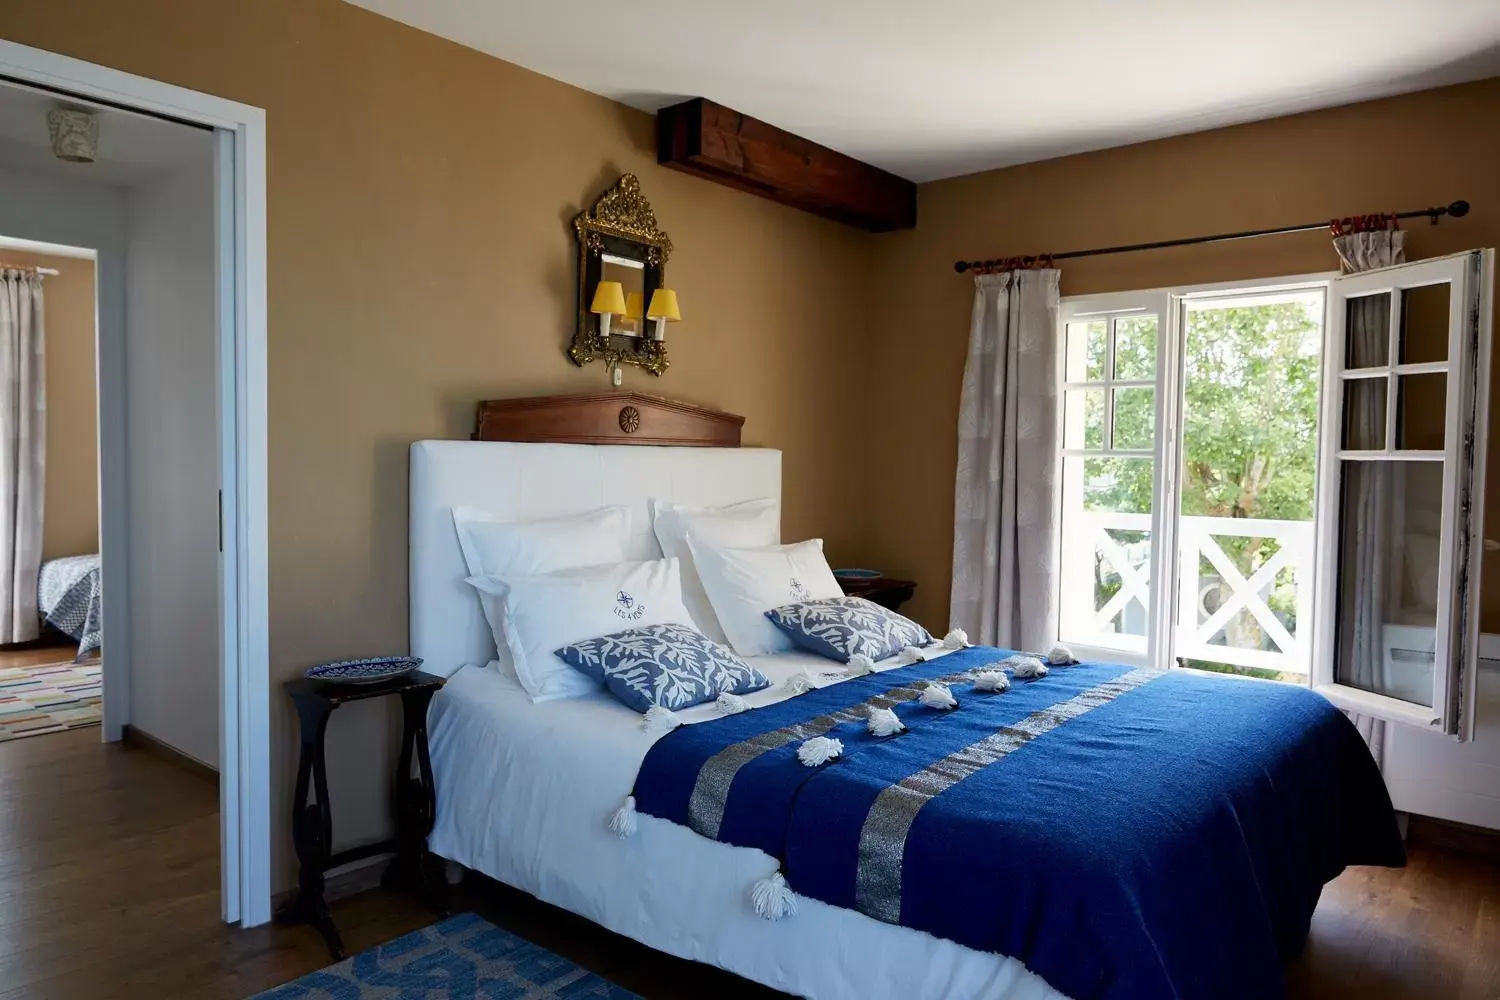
620 223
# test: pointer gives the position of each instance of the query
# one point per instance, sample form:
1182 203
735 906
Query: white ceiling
939 88
132 147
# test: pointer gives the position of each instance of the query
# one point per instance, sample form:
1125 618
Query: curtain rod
51 272
1457 210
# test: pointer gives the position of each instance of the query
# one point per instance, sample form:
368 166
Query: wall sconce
609 301
664 310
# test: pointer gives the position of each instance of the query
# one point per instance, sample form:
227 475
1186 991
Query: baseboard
150 744
1453 836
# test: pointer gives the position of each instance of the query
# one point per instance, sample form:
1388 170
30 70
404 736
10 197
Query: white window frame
1169 304
1454 678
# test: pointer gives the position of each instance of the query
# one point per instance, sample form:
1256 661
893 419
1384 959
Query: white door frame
244 688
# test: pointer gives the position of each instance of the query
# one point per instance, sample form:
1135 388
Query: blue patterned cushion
673 666
839 627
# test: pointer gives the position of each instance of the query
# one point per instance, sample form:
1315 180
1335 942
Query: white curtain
1004 589
1375 489
23 435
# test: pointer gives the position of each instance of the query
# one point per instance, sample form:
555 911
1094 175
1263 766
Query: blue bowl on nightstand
857 574
369 671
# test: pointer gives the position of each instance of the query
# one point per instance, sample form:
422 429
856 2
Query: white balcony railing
1258 618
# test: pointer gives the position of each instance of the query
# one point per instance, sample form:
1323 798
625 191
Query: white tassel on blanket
1061 655
773 898
910 655
729 703
884 722
937 695
622 823
992 680
956 639
659 721
819 750
800 683
860 664
1025 667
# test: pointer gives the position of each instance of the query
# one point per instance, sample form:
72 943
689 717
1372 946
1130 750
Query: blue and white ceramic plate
857 574
371 671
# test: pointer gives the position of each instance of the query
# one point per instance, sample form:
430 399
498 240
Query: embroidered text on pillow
627 608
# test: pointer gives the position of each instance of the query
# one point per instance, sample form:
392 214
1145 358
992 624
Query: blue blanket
1128 834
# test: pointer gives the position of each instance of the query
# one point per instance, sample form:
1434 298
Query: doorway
238 333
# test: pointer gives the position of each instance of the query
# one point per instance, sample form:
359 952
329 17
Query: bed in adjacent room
69 597
939 821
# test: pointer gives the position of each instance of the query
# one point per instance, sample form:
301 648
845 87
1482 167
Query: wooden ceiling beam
720 144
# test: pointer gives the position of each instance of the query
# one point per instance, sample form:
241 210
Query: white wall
173 479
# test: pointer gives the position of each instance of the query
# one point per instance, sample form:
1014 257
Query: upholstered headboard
526 480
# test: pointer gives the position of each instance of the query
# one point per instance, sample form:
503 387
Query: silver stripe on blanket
711 790
882 840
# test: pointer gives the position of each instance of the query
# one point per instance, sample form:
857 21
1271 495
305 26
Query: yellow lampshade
633 305
664 305
609 298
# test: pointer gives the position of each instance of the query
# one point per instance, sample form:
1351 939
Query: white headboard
525 481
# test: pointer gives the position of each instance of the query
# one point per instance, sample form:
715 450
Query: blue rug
462 958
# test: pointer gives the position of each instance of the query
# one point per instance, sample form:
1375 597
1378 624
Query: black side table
884 591
312 821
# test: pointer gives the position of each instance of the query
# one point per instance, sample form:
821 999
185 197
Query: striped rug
48 698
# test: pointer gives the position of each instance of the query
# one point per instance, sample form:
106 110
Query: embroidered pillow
671 666
842 626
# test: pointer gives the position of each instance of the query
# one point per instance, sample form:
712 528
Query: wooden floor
109 891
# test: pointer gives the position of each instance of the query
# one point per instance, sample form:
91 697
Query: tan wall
1393 155
72 509
421 259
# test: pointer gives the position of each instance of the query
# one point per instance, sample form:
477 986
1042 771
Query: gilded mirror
618 241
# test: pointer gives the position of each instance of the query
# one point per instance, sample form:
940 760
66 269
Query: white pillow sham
499 548
748 525
543 613
744 584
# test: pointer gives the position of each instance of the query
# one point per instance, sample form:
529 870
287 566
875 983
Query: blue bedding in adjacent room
1128 834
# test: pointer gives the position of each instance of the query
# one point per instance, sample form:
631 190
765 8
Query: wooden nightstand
312 822
883 590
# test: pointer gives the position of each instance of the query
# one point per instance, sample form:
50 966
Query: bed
68 599
525 791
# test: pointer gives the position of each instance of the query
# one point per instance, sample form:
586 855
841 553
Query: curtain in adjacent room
1004 588
23 435
1377 491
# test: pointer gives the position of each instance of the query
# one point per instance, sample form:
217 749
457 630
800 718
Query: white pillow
744 584
544 613
752 524
493 547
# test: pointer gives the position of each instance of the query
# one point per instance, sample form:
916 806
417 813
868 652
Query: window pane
1367 331
1389 538
1364 413
1421 402
1424 324
1135 348
1106 551
1088 346
1083 419
1135 418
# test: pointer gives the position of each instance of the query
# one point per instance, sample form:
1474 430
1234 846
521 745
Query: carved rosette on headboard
607 418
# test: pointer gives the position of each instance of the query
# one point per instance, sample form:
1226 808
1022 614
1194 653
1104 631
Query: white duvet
524 795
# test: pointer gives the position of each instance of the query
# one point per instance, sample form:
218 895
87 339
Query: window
1276 480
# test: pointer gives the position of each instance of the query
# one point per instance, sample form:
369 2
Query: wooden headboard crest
607 418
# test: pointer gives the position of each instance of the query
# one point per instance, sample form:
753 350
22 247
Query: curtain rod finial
1458 209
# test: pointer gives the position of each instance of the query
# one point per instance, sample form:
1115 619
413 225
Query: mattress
524 794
